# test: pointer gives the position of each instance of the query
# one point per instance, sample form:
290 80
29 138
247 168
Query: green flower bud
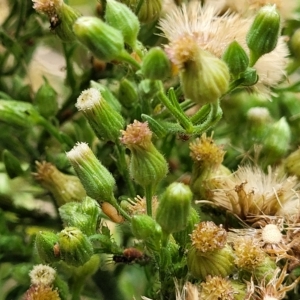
105 121
295 44
63 25
107 95
183 237
156 65
122 18
174 208
96 179
250 77
61 17
46 244
18 113
105 42
236 59
64 188
205 78
46 100
147 229
75 248
148 12
276 142
215 263
147 165
12 164
264 32
84 216
127 93
62 287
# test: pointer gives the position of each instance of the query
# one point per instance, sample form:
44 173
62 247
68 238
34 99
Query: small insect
54 22
131 256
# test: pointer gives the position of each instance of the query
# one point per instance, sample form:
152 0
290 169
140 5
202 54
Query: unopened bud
75 247
122 18
46 100
127 93
12 164
96 179
174 208
264 32
236 59
104 41
83 215
147 229
105 121
156 65
46 243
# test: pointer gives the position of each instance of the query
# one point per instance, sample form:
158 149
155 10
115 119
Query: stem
148 195
125 56
116 205
123 169
165 239
68 51
182 118
253 58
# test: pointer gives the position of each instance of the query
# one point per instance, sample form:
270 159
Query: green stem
165 239
253 58
68 51
125 56
182 118
77 291
116 205
292 66
52 130
148 195
123 168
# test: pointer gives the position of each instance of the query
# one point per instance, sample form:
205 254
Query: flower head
250 191
216 287
41 292
137 134
48 7
42 275
208 237
214 33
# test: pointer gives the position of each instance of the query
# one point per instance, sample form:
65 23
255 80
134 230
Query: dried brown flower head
249 191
